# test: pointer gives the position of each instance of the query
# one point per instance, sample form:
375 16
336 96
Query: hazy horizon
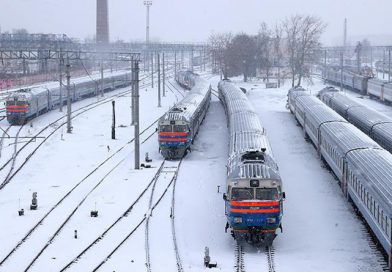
181 20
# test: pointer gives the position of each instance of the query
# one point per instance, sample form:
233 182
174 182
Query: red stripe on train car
172 139
254 204
173 133
275 210
16 110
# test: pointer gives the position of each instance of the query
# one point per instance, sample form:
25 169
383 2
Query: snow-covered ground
321 231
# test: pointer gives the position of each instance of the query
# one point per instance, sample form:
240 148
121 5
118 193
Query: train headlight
271 220
237 219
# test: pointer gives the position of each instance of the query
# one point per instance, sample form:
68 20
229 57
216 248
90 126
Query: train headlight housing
271 220
237 220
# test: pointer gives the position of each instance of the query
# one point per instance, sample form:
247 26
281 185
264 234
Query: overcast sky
186 20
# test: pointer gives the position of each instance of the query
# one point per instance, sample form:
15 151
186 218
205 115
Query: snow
320 229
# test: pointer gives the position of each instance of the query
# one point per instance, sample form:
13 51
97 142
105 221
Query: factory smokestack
102 21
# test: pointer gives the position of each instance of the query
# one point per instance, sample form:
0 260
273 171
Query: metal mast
148 3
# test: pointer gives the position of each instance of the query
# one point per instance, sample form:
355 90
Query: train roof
253 170
321 114
346 137
307 101
244 141
245 121
185 109
374 166
341 103
367 118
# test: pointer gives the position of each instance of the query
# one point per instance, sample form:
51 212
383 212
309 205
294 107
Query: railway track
168 171
4 135
253 253
75 113
173 227
56 208
175 88
270 257
13 158
146 232
173 171
239 258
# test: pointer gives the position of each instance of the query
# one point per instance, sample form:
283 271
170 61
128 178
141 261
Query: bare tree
278 52
264 49
219 43
303 39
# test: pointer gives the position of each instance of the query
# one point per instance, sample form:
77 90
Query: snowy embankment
321 231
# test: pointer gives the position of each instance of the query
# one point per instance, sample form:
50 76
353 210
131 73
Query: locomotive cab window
238 194
180 128
267 194
166 128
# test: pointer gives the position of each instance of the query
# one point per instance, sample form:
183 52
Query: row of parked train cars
254 196
25 104
374 87
363 168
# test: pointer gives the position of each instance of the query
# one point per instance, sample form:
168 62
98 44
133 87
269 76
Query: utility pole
191 60
159 81
69 125
163 74
114 120
182 59
152 70
341 71
135 80
61 81
325 64
175 64
101 78
383 65
389 64
345 35
133 99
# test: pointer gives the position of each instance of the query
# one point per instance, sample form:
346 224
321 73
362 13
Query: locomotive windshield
174 128
180 128
238 194
267 194
166 128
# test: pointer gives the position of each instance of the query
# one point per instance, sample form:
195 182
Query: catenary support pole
389 64
175 64
341 71
152 70
163 75
114 120
135 79
101 78
69 125
61 82
159 81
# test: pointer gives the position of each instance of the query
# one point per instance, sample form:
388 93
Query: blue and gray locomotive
254 194
28 103
179 126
